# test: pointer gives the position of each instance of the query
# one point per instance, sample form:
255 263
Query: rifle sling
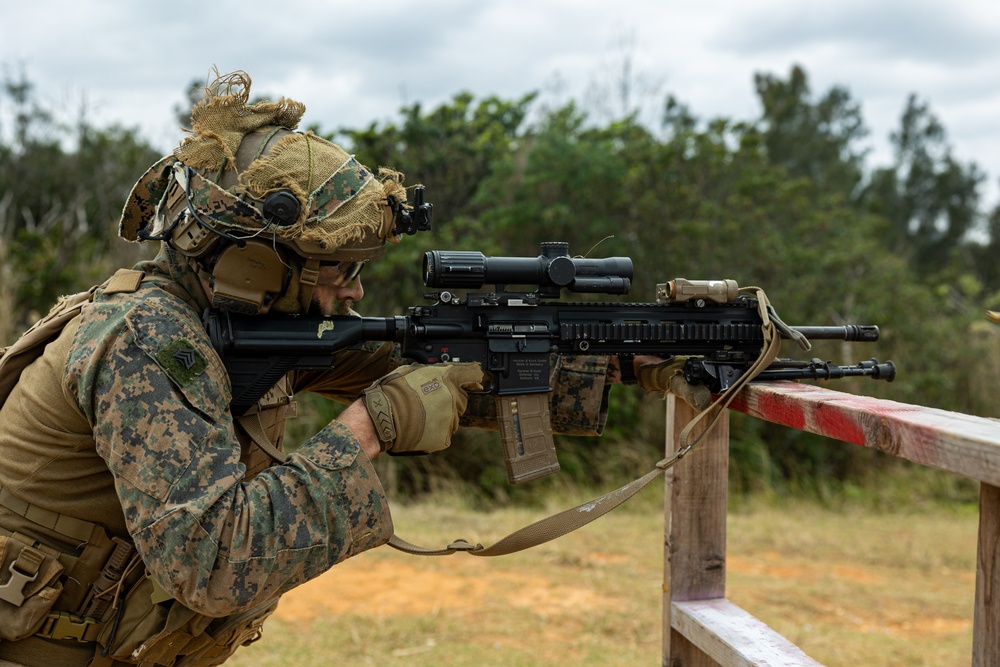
546 529
252 425
569 520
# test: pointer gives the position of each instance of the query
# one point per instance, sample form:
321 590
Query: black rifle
512 334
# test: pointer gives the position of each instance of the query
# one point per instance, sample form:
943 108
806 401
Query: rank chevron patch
182 361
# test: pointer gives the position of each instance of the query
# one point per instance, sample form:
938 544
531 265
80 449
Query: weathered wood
695 530
949 441
731 637
701 628
685 654
986 618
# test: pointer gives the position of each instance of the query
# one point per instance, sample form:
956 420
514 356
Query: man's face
337 288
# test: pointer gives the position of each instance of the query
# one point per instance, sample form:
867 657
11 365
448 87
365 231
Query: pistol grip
526 435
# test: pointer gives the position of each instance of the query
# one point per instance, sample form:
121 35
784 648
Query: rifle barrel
848 332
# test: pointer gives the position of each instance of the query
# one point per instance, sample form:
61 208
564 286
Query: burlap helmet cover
343 207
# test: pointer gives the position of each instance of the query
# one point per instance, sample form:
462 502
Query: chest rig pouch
31 572
128 618
29 585
150 628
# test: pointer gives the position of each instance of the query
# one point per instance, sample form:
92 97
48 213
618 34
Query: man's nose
353 291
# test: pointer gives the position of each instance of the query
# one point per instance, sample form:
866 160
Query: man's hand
668 375
415 409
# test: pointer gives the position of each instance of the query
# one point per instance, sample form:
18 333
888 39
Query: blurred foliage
62 188
784 201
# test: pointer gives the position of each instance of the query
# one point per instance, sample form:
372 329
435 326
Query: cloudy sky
357 62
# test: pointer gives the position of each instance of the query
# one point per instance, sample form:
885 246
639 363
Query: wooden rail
703 629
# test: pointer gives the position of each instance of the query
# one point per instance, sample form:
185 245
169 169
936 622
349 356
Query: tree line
784 200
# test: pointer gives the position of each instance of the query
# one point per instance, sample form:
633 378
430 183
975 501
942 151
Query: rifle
512 333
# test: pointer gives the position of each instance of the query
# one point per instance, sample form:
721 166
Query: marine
141 522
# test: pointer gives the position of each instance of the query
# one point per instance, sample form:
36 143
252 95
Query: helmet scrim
238 154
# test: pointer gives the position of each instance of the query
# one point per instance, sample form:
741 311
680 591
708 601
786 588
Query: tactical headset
249 273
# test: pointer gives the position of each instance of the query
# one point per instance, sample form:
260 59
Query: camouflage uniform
188 508
119 448
128 438
131 431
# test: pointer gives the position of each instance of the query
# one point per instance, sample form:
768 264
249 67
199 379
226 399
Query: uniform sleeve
157 397
578 404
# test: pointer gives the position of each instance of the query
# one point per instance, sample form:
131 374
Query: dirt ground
848 590
397 589
386 589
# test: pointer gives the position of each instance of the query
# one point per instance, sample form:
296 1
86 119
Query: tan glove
668 376
416 408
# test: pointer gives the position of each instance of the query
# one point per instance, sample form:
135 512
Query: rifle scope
554 268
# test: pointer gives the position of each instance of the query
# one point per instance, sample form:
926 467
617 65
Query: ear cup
246 280
281 208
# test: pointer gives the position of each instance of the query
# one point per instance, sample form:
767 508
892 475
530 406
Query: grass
856 587
850 587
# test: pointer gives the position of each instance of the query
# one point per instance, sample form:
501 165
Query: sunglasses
349 271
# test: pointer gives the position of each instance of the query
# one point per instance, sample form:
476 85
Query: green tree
450 150
985 257
930 198
563 183
61 192
812 140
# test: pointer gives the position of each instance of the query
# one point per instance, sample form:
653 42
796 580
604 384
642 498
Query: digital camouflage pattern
140 207
339 189
214 540
578 404
124 422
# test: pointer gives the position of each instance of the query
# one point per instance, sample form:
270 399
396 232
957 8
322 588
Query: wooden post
986 618
700 627
695 531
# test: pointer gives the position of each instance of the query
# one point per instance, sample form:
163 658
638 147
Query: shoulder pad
124 280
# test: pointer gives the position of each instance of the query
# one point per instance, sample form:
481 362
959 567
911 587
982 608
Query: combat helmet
257 207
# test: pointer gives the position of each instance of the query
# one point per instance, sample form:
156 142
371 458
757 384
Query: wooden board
695 528
950 441
731 637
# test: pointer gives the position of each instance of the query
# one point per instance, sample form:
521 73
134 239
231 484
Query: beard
345 307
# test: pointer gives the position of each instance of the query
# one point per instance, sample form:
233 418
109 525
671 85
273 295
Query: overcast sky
352 63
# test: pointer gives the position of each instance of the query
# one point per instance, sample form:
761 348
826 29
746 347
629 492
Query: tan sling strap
569 520
251 424
548 528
